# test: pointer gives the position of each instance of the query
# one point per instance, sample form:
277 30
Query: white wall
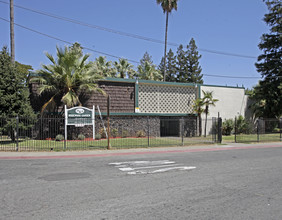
232 101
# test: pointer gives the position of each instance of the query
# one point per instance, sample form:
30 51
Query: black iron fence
262 130
45 134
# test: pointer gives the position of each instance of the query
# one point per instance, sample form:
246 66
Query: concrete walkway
132 151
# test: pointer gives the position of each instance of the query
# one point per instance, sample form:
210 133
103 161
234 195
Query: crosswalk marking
149 167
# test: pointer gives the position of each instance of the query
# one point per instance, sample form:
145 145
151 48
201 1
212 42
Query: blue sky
219 25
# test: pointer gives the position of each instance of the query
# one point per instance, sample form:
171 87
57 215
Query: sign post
79 117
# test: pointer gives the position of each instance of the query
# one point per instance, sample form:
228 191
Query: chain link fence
49 134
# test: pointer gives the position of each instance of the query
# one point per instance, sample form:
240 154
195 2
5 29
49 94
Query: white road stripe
137 167
140 168
161 170
142 162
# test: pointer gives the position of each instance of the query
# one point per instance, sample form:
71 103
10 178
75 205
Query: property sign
79 116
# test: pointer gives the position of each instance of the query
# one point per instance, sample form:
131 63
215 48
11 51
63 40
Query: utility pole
12 33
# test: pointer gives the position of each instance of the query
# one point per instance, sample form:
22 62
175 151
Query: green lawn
119 143
115 143
252 138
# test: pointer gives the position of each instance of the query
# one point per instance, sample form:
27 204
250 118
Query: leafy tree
23 69
149 72
208 101
198 108
124 69
184 66
269 91
67 77
104 67
242 125
161 66
167 6
171 75
14 96
182 62
193 67
227 126
146 58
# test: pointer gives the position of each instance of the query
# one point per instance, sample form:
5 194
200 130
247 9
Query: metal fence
48 134
262 130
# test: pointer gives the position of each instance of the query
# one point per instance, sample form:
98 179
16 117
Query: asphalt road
234 184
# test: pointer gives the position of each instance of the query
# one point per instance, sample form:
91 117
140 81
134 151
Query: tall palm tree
199 110
168 6
149 72
67 77
12 33
208 101
124 69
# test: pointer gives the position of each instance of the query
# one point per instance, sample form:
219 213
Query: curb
223 148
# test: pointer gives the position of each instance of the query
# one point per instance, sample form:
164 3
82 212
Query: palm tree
208 100
149 72
124 69
168 6
67 77
104 67
198 109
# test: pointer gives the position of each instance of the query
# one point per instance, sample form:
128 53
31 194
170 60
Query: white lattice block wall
166 99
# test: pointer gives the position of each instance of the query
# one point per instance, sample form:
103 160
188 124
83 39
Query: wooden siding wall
122 97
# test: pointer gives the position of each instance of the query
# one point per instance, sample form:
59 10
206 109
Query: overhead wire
107 54
67 42
125 33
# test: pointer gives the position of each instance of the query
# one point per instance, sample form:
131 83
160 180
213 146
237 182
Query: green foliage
184 66
102 133
208 101
114 132
104 67
193 68
59 137
198 108
14 96
97 136
168 5
171 67
124 69
243 126
124 133
67 77
182 62
81 137
227 126
268 93
140 133
147 70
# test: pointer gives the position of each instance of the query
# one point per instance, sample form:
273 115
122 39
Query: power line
126 33
67 42
107 54
234 77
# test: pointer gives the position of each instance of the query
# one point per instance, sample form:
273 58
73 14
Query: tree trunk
207 111
166 27
200 125
12 34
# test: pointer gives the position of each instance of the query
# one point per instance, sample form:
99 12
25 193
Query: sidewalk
133 151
